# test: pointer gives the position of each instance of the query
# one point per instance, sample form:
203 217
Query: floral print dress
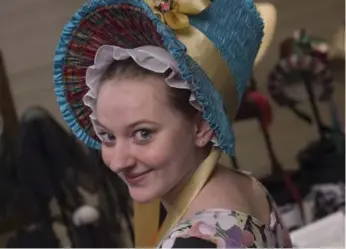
222 228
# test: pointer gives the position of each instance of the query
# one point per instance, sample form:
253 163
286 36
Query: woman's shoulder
220 228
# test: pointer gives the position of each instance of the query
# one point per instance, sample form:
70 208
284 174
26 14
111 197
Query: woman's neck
169 198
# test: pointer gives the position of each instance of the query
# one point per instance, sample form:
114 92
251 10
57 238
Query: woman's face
144 139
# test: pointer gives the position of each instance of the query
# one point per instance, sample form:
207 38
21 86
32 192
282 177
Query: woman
154 85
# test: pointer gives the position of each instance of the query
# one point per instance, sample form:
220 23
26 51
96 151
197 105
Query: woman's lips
134 179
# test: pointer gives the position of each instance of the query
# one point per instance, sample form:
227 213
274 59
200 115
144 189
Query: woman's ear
203 132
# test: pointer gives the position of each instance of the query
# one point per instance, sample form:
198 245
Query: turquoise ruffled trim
62 48
206 94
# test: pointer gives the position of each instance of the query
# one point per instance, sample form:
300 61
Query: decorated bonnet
213 45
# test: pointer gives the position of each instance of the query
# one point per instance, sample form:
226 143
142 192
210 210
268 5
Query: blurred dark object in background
64 193
303 74
283 185
8 137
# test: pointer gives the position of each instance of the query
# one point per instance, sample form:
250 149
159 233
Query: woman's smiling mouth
135 178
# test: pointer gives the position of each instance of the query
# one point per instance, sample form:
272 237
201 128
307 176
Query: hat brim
269 15
127 24
93 25
130 24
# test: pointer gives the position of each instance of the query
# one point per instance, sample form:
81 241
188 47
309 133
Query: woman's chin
142 195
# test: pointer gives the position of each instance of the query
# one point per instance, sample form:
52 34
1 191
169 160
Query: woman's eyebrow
130 126
142 121
98 123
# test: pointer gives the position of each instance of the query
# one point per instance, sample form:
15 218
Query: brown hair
179 98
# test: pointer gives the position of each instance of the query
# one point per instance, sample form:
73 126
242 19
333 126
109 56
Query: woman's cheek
106 155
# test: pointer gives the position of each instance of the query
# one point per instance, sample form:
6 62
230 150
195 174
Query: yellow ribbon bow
175 12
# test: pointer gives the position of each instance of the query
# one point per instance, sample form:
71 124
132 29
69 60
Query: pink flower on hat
163 5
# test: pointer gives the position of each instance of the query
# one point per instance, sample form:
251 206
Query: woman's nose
121 158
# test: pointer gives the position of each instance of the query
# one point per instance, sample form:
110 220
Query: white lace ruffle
152 58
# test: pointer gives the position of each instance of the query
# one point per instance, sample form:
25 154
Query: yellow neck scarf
146 216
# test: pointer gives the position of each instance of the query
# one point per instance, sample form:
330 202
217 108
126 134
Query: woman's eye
143 135
107 137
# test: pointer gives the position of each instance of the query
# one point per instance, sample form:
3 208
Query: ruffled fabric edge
153 58
206 94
